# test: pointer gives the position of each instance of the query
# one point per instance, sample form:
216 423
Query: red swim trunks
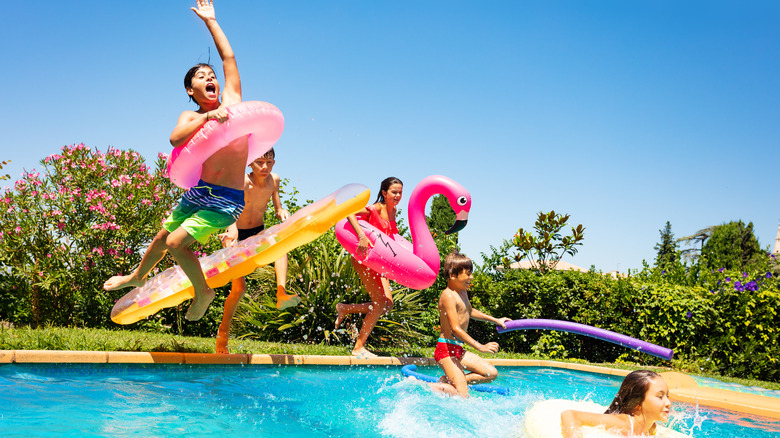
448 348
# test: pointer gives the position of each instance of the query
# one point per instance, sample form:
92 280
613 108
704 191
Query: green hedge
721 329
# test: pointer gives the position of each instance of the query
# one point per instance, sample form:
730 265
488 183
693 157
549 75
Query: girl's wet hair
455 263
191 73
385 186
632 392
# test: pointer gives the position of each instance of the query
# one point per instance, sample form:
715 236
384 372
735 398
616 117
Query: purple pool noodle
593 332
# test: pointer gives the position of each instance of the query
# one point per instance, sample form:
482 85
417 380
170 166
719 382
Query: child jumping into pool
261 186
380 214
218 198
643 399
455 311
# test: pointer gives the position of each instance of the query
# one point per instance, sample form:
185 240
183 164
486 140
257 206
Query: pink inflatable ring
262 121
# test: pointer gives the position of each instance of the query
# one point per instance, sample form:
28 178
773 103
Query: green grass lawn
77 339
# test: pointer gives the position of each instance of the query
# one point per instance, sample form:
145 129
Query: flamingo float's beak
462 219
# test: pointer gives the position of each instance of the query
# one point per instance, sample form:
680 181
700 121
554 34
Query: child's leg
343 310
237 289
457 385
378 289
154 253
283 301
481 370
179 242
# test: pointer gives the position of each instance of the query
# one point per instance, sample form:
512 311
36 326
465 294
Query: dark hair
270 154
191 73
455 263
632 392
385 186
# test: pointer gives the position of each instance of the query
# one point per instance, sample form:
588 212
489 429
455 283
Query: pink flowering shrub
85 216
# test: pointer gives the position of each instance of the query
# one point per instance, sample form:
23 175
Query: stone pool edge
682 387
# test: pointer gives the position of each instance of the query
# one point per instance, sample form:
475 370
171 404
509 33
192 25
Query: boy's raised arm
232 90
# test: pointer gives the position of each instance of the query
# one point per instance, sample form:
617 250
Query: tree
548 246
698 238
442 215
667 248
441 219
732 246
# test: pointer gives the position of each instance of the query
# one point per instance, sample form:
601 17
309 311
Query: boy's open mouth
211 88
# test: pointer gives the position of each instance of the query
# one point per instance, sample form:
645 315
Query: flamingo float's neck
424 245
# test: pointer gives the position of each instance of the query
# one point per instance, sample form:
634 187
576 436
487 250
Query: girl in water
643 399
380 214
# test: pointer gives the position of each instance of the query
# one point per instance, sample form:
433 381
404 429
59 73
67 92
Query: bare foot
199 305
340 315
122 281
362 353
222 341
284 301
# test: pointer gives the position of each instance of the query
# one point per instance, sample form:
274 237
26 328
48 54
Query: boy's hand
205 10
490 347
219 114
502 322
283 215
229 237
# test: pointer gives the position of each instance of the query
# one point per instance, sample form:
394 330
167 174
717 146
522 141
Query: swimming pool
120 400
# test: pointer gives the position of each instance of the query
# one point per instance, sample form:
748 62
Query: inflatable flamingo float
412 265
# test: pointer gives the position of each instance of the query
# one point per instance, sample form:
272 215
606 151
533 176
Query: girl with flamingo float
380 254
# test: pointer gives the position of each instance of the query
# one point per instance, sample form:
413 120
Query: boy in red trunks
455 311
261 186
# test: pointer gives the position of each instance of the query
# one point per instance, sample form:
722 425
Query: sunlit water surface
119 400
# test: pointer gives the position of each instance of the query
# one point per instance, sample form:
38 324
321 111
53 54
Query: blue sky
624 114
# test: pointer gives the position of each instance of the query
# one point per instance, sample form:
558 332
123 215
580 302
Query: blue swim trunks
205 209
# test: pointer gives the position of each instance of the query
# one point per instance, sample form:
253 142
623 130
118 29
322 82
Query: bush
726 324
85 217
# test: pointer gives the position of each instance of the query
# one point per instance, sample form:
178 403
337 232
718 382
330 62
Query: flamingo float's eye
462 201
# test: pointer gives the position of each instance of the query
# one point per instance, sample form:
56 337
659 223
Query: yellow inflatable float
172 287
543 420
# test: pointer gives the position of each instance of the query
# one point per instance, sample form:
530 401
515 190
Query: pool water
119 400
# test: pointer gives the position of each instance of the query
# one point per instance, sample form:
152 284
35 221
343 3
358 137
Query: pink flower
18 230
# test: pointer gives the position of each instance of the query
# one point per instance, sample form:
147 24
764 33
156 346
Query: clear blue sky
624 114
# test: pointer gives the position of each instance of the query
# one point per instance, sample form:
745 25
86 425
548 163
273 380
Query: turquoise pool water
41 400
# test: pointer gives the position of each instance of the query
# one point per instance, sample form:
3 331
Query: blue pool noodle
587 330
411 371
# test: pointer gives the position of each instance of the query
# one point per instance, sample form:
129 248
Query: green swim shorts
205 209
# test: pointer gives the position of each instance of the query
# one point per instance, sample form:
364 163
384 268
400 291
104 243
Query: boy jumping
218 199
260 187
454 313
